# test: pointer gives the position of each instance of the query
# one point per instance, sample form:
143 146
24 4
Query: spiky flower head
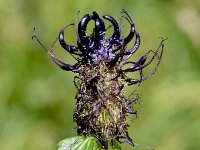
102 107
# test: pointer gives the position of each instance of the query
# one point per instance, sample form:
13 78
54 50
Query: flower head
102 106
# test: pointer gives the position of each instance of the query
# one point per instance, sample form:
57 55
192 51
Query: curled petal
134 48
116 34
99 28
83 36
69 48
132 32
58 62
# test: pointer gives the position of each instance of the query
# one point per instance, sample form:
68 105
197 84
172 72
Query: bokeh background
37 97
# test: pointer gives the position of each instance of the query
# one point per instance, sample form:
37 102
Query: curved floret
102 106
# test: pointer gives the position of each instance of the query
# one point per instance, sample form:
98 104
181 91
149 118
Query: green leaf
83 143
79 143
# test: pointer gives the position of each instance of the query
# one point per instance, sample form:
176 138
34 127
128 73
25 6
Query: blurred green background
37 97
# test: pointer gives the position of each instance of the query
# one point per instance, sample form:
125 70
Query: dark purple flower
102 107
